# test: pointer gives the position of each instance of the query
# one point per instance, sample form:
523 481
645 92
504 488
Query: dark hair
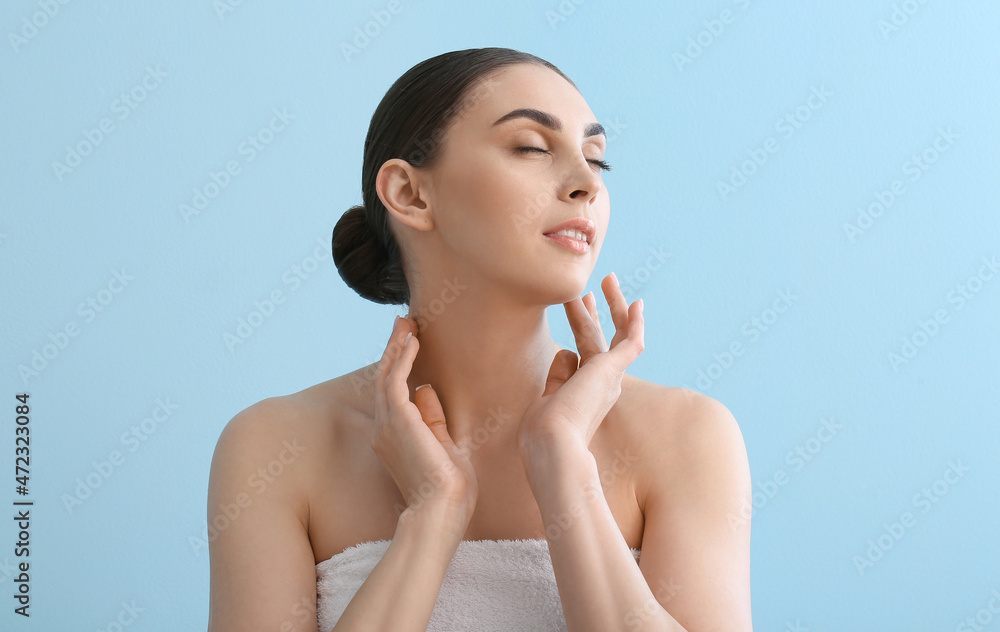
409 123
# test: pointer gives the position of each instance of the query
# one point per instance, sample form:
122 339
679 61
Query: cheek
487 206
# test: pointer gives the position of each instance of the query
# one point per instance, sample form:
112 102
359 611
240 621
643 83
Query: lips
581 224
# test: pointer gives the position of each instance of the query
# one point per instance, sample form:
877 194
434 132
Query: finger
617 304
626 350
432 413
586 332
386 362
600 343
590 302
562 368
397 390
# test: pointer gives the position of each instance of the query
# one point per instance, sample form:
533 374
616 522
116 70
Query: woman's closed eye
600 163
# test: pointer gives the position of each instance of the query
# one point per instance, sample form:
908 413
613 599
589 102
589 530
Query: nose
581 182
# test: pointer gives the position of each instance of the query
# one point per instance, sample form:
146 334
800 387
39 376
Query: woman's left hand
576 400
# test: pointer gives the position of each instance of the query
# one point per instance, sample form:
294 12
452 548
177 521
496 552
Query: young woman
484 203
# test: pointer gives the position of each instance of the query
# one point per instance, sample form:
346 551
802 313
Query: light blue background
678 129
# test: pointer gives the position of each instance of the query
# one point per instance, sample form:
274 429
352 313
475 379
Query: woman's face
492 203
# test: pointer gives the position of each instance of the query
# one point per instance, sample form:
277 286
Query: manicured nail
640 304
615 277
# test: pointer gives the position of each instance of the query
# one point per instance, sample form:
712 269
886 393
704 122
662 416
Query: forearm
600 585
402 589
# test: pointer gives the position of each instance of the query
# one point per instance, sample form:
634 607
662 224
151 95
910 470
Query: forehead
525 86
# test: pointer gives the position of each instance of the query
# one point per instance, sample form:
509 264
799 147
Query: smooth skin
471 231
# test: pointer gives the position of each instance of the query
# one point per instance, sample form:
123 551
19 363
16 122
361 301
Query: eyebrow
549 121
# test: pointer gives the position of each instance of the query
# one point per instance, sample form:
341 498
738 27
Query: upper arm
696 540
263 573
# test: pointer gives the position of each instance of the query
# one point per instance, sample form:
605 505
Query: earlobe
398 186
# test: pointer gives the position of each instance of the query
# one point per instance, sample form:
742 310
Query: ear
400 187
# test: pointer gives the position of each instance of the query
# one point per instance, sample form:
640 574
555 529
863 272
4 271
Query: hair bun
364 263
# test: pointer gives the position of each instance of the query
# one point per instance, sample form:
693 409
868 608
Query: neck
487 358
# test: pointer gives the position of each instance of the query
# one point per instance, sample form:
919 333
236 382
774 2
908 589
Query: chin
568 292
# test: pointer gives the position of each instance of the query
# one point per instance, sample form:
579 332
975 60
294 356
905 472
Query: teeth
575 234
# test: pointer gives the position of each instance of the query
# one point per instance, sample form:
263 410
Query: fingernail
615 277
420 387
409 335
640 304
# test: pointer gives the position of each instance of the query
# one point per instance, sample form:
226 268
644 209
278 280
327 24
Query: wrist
545 445
555 458
435 519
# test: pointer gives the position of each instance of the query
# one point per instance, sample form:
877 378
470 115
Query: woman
475 430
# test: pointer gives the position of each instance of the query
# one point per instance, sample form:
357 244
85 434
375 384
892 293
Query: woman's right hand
411 438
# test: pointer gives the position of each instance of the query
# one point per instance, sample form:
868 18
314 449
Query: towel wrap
502 585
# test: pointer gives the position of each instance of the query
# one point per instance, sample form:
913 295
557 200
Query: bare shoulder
282 443
261 448
678 433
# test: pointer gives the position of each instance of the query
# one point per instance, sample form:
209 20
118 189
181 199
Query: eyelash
600 163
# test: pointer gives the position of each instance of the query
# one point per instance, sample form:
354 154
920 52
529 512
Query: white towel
502 585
